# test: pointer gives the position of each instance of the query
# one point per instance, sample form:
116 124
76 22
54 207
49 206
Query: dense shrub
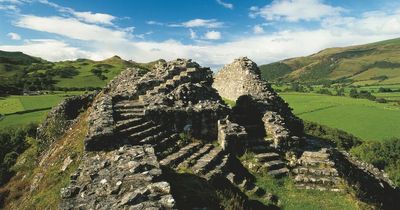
339 138
324 91
12 143
383 155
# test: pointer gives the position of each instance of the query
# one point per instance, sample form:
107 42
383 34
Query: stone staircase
170 83
205 160
134 129
316 171
267 158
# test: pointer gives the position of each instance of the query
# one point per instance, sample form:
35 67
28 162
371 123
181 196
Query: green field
363 118
38 105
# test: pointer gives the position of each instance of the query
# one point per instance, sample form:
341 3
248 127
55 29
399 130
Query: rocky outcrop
126 178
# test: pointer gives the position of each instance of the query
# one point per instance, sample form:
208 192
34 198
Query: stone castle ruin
146 125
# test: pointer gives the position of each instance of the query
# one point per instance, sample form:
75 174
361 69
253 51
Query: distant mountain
376 63
19 71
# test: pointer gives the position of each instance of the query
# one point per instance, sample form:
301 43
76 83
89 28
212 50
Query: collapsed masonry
174 118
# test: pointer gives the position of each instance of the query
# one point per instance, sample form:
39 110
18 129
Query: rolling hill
377 63
19 71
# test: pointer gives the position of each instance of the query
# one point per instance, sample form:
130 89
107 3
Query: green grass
291 198
365 119
10 105
229 102
295 199
47 193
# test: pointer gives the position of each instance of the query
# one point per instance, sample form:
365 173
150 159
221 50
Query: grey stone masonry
241 81
231 136
316 170
126 178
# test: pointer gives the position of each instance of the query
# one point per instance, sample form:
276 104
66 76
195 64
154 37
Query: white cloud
193 34
212 35
296 10
94 17
224 4
206 23
152 22
89 17
9 8
14 36
99 42
71 28
375 22
257 29
49 49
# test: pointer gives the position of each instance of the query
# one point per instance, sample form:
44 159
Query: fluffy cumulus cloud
296 10
206 23
212 35
225 4
14 36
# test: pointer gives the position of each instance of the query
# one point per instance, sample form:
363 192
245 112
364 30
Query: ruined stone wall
241 81
370 184
101 122
231 136
61 117
201 118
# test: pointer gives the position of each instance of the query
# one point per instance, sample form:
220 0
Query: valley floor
365 119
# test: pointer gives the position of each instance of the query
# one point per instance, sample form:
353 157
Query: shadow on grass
193 192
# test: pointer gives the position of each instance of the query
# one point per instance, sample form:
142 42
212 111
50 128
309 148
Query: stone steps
179 156
265 157
316 171
278 172
171 83
123 124
137 137
128 104
152 139
322 180
218 169
317 163
274 165
136 128
208 161
128 110
317 187
126 116
195 156
167 146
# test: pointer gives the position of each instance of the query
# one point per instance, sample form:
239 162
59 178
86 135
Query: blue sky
212 32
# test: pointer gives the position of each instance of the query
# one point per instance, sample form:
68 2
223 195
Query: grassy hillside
376 63
23 72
